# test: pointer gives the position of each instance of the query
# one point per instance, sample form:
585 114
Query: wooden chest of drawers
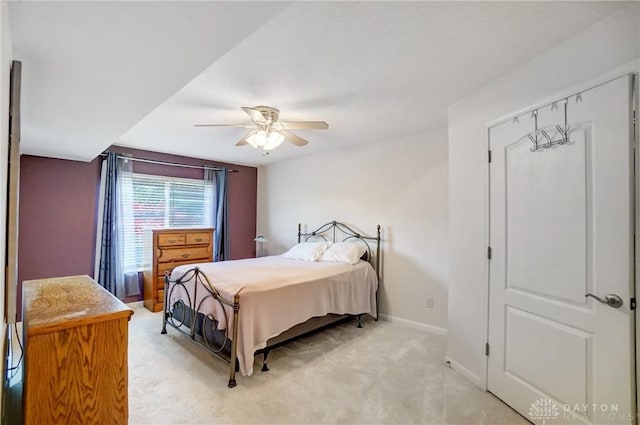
75 364
169 248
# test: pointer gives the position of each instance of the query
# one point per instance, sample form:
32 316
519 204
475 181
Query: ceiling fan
267 132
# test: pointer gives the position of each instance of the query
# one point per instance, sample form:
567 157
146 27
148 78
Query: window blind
157 202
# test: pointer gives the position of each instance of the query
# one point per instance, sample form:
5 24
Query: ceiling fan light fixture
274 140
251 139
260 139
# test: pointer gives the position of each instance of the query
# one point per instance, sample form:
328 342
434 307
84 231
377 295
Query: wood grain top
182 230
66 302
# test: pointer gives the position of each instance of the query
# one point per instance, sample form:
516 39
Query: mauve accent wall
58 211
56 235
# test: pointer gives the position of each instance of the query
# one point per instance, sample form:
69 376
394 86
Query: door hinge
486 349
634 102
489 155
632 303
635 127
489 252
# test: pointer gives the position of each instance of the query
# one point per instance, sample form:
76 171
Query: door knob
612 300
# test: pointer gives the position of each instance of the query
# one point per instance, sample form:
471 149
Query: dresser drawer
171 239
183 254
198 238
169 266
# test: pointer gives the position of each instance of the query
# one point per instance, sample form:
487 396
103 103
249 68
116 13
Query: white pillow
307 251
344 252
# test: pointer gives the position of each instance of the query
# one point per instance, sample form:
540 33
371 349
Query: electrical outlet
429 302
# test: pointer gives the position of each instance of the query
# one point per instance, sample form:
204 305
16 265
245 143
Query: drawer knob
171 240
198 239
185 255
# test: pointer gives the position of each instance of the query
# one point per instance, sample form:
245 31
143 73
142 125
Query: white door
560 228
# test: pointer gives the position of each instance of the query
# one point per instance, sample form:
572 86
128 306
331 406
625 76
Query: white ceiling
140 74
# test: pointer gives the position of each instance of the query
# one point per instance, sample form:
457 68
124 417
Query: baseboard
135 304
464 371
414 325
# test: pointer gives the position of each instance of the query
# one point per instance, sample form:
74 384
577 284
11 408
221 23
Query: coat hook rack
563 131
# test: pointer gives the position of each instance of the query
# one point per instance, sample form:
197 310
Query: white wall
5 67
609 44
401 185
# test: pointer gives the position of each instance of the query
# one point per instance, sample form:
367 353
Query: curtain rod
173 164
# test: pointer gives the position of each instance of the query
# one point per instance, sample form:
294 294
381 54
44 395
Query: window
155 202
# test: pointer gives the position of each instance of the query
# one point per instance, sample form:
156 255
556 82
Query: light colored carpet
382 374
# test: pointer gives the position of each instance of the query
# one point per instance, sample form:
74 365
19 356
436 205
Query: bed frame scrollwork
340 232
181 316
185 313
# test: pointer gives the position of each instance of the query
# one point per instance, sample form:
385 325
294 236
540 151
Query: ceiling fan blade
242 142
224 125
255 115
301 125
292 138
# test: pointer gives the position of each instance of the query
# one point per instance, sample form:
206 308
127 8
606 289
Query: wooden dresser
75 336
169 248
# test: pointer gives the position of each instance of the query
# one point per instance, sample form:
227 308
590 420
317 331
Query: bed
238 309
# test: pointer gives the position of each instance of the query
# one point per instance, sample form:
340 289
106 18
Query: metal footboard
185 314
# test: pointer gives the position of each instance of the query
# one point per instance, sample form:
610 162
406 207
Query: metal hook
564 132
534 142
549 141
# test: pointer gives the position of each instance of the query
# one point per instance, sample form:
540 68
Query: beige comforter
277 293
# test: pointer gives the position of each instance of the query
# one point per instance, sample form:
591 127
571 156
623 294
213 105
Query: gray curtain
117 277
109 238
219 179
